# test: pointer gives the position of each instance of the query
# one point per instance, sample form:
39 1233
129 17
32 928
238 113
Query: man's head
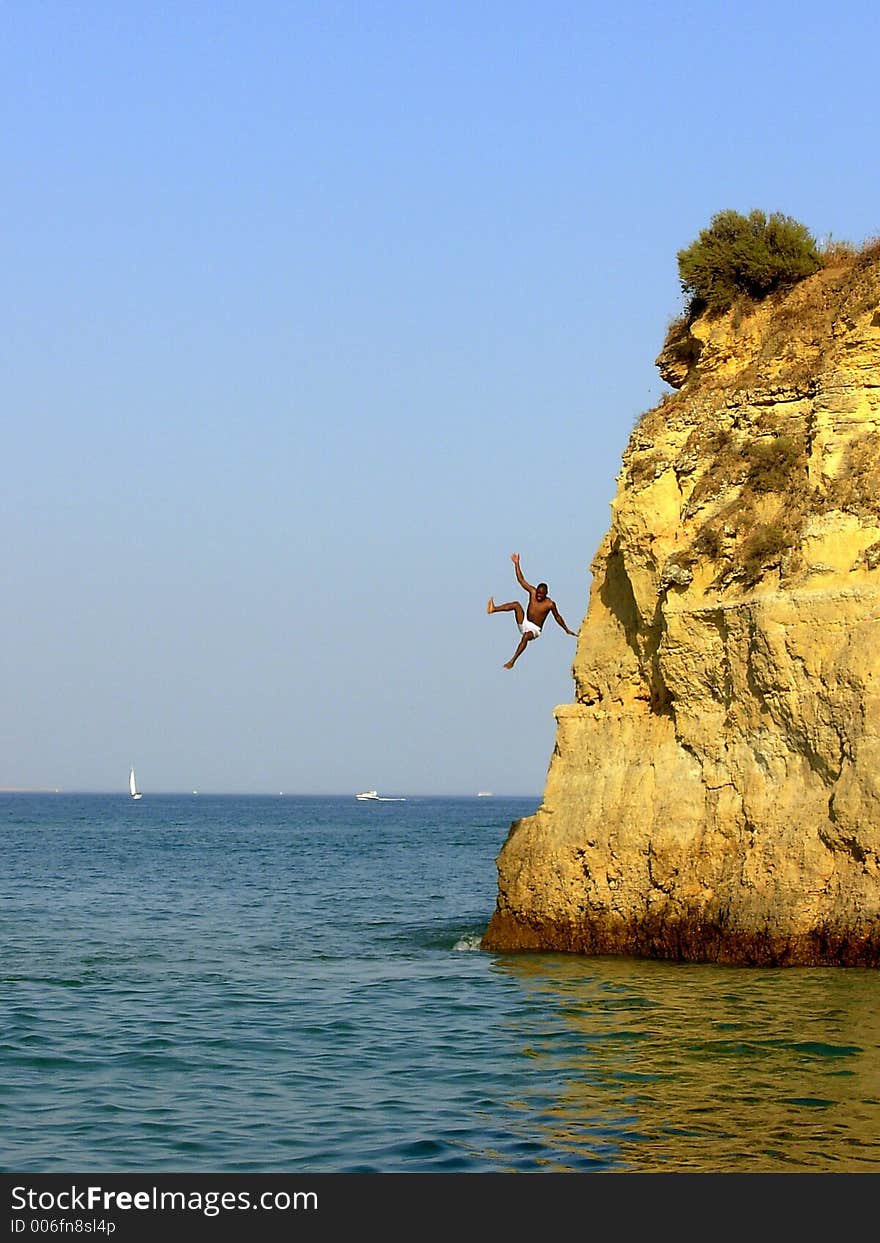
541 591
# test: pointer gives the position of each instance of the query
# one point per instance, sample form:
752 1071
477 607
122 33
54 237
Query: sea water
280 984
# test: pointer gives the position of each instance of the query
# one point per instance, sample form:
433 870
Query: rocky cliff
714 792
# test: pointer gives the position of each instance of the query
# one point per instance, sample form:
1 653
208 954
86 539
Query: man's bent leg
513 605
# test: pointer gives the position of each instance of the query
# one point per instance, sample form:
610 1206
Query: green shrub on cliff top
751 255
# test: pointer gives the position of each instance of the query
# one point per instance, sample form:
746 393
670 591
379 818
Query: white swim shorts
530 628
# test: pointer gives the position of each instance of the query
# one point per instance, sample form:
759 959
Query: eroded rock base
687 941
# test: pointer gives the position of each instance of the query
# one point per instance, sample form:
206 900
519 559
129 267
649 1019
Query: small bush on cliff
844 254
709 542
763 549
775 465
751 255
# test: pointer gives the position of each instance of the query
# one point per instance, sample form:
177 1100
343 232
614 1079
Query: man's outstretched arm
514 556
557 618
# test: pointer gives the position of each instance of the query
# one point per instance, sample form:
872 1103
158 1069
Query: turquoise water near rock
285 984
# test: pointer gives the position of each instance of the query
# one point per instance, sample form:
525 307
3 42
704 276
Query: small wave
470 941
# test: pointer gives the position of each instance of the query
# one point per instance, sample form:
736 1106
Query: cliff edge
714 792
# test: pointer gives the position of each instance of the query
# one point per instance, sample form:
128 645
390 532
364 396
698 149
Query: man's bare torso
539 610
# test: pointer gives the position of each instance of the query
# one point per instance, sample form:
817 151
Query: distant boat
484 793
373 796
132 786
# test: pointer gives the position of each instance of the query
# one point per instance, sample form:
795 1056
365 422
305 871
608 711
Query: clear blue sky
314 313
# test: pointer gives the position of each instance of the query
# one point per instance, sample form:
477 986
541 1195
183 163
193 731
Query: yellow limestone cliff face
714 792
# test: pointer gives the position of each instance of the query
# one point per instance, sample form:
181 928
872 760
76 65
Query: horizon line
267 793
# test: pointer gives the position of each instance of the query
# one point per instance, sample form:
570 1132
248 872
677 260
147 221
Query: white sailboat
132 786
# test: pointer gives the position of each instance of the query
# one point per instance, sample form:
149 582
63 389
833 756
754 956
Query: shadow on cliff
643 638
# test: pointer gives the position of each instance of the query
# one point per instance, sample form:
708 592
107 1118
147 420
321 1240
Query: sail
132 784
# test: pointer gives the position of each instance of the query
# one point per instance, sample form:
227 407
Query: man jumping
531 621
